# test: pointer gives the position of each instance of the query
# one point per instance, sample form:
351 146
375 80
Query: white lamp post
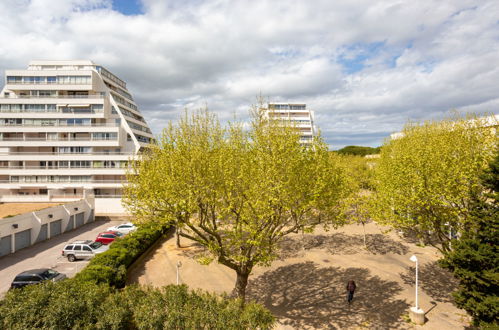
179 264
417 314
415 259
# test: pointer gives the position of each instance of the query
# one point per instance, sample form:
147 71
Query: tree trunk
364 228
177 235
241 283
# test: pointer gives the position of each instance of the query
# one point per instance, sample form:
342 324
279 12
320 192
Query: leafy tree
426 179
358 151
475 257
360 170
236 191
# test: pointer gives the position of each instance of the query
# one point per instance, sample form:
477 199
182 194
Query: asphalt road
47 254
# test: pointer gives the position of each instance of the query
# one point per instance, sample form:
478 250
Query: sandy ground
7 209
305 288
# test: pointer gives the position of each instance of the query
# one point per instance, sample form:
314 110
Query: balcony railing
58 139
59 110
59 96
63 167
61 125
66 153
62 181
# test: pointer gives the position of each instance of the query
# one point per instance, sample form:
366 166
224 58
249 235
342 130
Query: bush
74 304
110 267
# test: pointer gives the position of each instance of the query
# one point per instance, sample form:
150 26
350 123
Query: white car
124 228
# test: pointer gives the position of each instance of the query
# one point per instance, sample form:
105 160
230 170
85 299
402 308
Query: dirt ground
7 209
305 288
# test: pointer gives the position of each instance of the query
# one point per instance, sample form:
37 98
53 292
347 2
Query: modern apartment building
67 129
298 115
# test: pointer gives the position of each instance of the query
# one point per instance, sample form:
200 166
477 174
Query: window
69 248
77 248
86 248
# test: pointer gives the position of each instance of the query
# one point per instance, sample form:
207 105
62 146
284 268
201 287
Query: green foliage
237 191
358 151
64 305
426 179
475 257
110 267
74 304
360 170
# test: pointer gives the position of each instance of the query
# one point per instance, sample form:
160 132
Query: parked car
108 237
124 228
83 250
36 276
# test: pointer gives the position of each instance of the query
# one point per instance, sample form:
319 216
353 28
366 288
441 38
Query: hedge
72 304
110 267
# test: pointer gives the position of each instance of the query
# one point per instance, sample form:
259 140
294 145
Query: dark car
35 276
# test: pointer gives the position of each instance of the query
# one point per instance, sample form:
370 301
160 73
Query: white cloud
413 59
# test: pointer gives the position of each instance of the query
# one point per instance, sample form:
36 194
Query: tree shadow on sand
340 243
435 281
303 295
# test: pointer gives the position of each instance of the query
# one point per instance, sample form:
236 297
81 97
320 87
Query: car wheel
71 258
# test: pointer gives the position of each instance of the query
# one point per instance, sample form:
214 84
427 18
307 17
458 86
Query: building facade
298 115
67 129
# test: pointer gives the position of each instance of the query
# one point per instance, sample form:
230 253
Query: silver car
83 250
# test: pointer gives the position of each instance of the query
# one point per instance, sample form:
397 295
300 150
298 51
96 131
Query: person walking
350 290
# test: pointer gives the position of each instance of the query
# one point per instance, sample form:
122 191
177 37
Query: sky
365 67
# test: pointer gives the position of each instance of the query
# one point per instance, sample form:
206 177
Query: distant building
67 128
298 115
490 121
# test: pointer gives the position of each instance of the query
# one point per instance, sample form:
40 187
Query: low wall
26 229
109 207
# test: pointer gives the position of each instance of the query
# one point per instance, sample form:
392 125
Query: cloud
365 67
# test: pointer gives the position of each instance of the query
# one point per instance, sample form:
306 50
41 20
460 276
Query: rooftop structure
297 114
67 128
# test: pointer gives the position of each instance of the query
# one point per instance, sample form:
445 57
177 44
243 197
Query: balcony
59 139
39 198
59 96
59 124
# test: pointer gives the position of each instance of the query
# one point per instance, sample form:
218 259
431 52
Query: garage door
90 216
43 235
71 223
23 239
79 219
5 243
55 228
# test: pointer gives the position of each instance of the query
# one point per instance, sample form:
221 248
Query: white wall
109 206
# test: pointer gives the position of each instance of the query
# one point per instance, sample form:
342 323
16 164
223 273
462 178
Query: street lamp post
179 264
415 259
417 314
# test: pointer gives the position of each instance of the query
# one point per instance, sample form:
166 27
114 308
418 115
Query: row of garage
19 240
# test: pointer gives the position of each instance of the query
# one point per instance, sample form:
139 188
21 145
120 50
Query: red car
107 237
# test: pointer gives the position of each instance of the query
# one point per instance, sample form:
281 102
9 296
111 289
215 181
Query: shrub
77 304
110 267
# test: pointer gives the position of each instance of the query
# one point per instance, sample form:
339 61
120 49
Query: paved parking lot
47 254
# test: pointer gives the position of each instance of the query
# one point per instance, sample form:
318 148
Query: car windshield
49 273
95 245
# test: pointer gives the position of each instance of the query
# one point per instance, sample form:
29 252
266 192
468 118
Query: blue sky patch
353 57
128 7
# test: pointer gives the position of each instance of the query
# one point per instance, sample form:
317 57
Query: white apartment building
67 129
298 115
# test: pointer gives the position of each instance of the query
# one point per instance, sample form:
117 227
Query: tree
426 179
474 259
235 191
358 150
